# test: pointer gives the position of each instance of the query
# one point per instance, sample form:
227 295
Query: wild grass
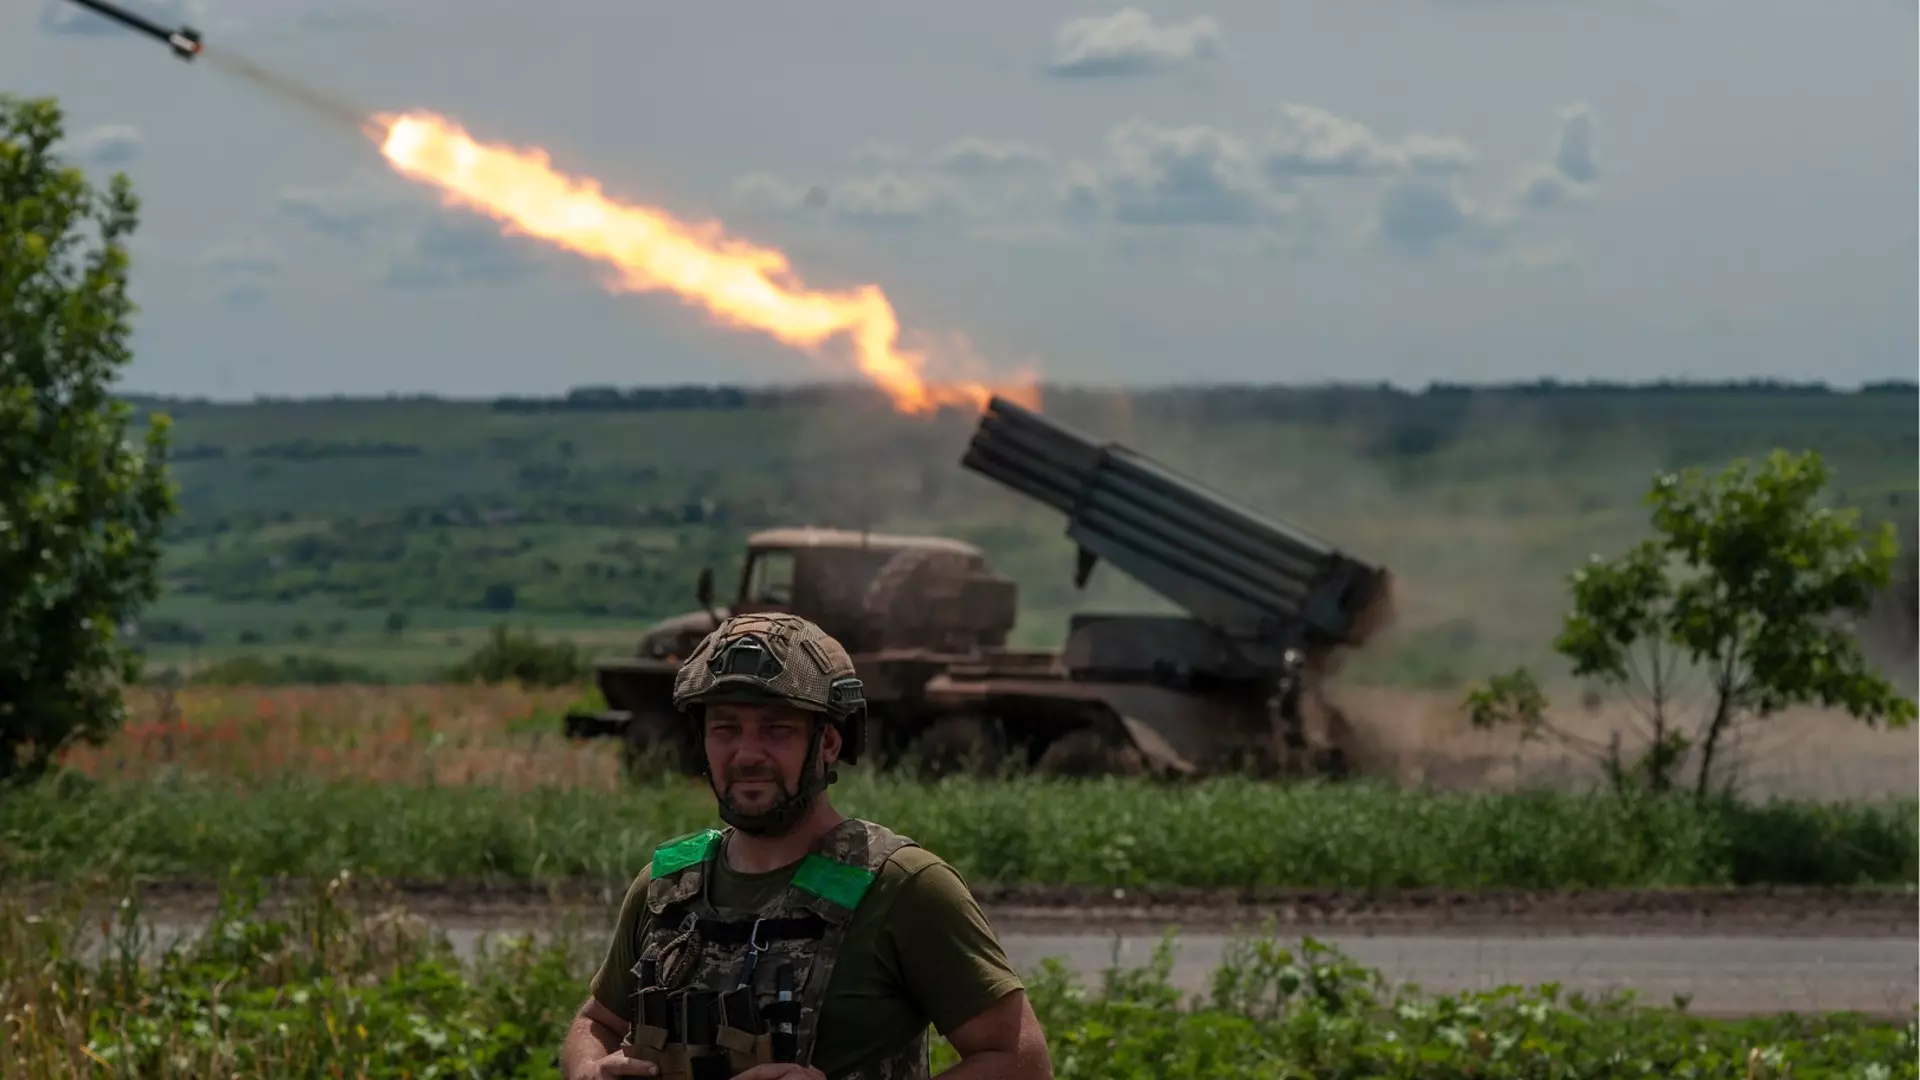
467 783
1221 833
433 735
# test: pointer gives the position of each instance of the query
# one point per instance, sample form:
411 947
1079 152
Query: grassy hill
390 532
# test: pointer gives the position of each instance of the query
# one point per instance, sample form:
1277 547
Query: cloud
410 241
1192 175
350 210
882 199
241 270
1573 154
1157 175
1573 172
451 250
876 199
1128 43
1420 213
71 20
106 146
968 179
1310 176
972 155
1311 141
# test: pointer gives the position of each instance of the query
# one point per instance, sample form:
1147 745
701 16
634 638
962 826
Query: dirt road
1722 976
1740 975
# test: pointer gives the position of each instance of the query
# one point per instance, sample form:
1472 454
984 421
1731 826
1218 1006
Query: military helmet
775 658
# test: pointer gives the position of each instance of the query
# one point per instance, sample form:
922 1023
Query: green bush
523 658
292 669
319 991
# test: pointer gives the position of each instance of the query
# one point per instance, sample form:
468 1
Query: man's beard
787 809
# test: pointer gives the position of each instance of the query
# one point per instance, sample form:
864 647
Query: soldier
796 944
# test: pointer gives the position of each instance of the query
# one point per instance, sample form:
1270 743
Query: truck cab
871 591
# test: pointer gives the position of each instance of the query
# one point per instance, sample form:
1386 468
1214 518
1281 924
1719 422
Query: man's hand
592 1050
619 1064
781 1071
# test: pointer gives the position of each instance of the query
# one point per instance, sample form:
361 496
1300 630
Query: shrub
292 669
522 658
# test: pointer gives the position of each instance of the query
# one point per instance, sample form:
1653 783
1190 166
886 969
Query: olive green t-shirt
919 951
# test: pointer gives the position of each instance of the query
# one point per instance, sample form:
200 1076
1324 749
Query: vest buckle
754 948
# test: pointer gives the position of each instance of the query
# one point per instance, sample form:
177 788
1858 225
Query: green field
306 524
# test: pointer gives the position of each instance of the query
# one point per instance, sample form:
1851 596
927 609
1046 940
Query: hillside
390 532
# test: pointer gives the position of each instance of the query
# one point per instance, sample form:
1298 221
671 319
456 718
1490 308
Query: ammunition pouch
743 1031
694 1034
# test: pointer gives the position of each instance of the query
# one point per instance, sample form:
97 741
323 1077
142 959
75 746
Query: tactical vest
720 995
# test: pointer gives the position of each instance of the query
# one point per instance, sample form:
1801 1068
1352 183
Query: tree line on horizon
715 397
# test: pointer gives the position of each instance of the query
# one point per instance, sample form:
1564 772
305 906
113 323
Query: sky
1236 191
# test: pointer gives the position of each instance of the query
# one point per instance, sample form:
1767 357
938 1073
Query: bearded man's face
758 763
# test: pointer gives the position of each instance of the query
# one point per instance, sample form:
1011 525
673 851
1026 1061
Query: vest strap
742 931
842 884
683 851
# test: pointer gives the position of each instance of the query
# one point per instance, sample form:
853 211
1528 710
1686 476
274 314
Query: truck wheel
959 745
1084 753
656 746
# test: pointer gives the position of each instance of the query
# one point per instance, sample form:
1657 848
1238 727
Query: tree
81 508
1746 582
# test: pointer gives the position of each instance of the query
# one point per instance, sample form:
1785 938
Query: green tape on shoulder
683 851
835 882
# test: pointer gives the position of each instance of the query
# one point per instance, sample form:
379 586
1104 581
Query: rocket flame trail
741 283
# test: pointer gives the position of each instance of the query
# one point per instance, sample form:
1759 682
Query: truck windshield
770 581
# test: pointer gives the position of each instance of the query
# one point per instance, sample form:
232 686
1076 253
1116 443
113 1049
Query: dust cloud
1890 633
1424 739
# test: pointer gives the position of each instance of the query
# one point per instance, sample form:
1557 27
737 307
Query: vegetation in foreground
324 992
